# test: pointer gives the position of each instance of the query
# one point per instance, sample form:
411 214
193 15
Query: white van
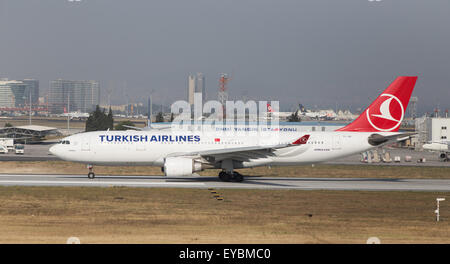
20 149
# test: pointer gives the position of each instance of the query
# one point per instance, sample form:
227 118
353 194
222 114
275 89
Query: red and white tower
223 94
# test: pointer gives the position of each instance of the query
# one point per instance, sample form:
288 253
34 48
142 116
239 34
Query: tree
110 119
98 120
8 124
122 124
294 117
159 118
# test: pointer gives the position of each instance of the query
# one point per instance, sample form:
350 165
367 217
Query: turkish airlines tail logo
386 113
385 110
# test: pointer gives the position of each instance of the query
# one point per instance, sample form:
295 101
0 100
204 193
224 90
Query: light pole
437 210
30 105
68 112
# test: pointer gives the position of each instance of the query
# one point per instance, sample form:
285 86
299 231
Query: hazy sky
318 52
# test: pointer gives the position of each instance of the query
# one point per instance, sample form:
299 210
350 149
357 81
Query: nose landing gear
91 174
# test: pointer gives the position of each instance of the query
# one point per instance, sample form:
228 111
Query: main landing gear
91 174
233 176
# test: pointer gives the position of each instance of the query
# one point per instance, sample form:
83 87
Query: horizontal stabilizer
377 139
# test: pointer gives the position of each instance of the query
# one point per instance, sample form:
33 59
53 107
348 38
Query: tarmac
431 159
269 183
33 152
39 152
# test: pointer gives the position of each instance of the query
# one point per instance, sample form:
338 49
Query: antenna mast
223 94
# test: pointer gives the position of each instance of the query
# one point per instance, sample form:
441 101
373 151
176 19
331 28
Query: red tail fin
301 141
269 108
386 113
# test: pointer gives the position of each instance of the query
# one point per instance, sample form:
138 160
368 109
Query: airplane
271 114
74 115
443 147
322 114
181 153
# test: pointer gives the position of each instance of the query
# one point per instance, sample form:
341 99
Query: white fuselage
437 146
152 147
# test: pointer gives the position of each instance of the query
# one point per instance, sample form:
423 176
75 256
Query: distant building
42 100
33 88
191 89
201 86
73 96
115 108
196 84
12 93
432 129
438 129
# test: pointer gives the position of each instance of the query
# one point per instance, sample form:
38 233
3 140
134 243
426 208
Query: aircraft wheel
237 177
443 157
223 176
91 175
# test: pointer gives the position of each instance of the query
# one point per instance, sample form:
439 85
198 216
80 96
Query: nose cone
53 150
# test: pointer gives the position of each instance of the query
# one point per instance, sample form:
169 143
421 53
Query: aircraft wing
242 153
133 127
377 139
230 150
147 128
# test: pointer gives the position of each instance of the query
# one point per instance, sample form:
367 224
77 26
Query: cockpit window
64 142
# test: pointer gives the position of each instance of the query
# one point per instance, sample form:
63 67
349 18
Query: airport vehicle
443 147
184 152
20 149
7 142
3 149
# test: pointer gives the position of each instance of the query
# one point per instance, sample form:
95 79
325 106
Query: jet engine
180 166
444 156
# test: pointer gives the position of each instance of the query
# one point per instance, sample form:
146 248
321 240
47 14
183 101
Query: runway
270 183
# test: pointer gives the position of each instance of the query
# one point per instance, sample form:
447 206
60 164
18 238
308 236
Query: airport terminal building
432 129
28 134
